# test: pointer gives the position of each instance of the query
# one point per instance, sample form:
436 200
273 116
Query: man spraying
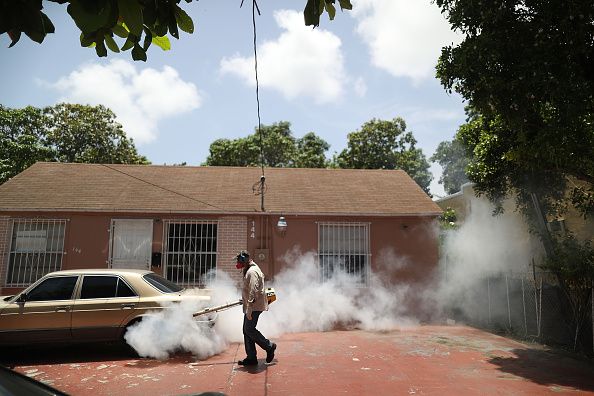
254 303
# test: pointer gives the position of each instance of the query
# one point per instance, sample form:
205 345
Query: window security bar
344 247
190 251
36 249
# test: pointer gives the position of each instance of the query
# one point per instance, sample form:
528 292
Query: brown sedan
85 305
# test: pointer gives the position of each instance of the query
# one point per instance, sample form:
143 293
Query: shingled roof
185 189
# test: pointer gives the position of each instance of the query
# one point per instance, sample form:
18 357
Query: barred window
343 247
36 249
190 248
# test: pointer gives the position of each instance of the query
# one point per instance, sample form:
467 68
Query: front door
131 243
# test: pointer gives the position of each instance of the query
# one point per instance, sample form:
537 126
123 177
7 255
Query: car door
40 314
104 304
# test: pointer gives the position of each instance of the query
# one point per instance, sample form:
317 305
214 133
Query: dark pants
251 336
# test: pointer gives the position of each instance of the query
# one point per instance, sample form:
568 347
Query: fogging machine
270 297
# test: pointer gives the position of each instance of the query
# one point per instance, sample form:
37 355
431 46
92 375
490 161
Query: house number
253 230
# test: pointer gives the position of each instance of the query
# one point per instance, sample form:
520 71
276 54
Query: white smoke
484 246
304 304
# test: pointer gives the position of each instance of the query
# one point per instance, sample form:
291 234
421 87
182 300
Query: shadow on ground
548 368
60 354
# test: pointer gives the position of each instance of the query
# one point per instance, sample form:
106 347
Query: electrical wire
163 188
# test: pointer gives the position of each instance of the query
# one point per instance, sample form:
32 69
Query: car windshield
162 284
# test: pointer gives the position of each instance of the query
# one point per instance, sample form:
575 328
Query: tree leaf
131 13
183 20
86 41
111 44
89 21
162 42
15 36
100 48
138 53
331 10
35 36
130 42
48 26
148 38
310 13
345 4
173 26
120 30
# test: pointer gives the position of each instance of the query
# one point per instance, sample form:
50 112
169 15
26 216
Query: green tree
279 146
21 140
311 152
136 23
381 144
64 133
452 157
535 93
82 133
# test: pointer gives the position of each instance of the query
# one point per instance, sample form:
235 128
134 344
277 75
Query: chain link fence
531 306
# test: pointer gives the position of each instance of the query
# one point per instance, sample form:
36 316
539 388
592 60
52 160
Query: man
254 303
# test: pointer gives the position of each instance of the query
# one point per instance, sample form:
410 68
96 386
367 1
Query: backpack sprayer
270 297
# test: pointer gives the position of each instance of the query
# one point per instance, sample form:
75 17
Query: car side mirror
22 298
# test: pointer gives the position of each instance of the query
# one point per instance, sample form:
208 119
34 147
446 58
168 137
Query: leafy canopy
280 147
453 159
63 133
534 93
138 23
385 144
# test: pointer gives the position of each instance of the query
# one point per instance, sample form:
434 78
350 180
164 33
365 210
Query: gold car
85 305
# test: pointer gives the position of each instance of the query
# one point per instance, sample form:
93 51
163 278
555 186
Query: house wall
405 249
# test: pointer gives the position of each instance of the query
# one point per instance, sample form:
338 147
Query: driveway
425 360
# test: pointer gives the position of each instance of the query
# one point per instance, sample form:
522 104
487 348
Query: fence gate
130 243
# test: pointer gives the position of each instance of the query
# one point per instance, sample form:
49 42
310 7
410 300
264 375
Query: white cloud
405 37
301 62
140 99
360 87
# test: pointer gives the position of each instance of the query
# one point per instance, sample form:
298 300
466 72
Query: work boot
270 353
248 362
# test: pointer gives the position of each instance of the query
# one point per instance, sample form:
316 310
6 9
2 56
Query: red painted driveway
425 360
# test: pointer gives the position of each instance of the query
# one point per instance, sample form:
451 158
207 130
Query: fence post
507 294
539 309
489 300
524 307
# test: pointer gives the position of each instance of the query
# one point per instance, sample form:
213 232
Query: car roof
119 271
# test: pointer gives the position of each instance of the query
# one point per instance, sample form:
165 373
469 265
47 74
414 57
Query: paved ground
426 360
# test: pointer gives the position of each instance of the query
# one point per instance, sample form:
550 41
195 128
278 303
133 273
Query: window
124 290
52 289
162 284
343 247
102 286
190 250
36 249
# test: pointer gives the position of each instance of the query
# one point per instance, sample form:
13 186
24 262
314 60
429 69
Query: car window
162 284
124 290
99 287
58 288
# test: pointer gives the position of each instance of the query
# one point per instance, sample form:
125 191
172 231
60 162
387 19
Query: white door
131 243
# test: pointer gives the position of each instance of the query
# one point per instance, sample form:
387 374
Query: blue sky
376 61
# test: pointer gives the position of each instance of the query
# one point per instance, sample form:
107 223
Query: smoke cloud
484 246
304 304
